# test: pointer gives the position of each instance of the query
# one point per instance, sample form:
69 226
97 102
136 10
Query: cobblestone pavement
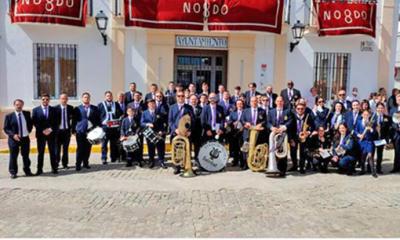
113 201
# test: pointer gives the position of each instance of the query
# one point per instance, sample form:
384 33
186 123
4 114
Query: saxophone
181 154
257 155
303 134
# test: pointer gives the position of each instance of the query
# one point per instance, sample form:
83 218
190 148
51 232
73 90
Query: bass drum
213 157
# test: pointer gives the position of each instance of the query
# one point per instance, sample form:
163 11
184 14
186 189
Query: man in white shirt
17 126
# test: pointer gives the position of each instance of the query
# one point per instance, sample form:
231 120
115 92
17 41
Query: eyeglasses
341 95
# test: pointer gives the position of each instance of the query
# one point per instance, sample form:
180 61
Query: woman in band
364 131
319 143
365 105
343 150
320 113
130 126
335 118
383 123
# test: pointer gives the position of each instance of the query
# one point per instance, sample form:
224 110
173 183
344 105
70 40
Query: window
55 68
331 73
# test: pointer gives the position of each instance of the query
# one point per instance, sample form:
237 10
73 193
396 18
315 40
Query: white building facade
54 58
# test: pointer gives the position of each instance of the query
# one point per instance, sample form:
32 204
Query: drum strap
111 113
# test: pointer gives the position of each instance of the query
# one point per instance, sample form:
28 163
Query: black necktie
20 125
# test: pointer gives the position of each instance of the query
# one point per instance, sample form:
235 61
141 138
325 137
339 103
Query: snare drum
96 136
131 144
151 136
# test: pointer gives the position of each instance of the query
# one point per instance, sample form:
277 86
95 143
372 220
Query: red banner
214 15
66 12
342 17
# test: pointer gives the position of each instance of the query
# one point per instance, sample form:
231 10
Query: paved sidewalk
114 201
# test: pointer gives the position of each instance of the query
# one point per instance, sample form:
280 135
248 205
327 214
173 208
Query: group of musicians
354 131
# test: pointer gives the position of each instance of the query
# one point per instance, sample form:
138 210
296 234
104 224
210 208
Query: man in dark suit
290 95
212 120
253 118
391 102
235 136
46 123
271 96
236 94
152 93
129 96
226 103
122 104
220 95
196 126
353 116
65 114
130 126
170 94
252 92
176 112
302 124
17 126
396 137
109 112
158 122
139 108
280 122
341 97
86 117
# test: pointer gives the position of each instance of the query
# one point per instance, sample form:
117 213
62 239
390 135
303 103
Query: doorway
198 66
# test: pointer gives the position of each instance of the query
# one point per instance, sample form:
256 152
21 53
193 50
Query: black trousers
379 157
396 164
112 136
235 143
41 146
63 140
282 164
196 143
160 146
15 148
83 151
303 155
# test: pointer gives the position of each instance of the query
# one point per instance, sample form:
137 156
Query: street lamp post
297 33
102 22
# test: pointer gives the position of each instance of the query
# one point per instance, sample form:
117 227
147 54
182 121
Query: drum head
213 156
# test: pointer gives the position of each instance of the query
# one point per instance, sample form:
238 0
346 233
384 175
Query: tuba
181 154
257 155
278 143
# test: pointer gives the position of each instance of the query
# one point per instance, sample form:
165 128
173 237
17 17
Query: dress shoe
29 174
105 163
13 176
113 160
349 174
394 171
282 175
151 164
87 167
379 172
55 171
39 172
140 164
65 167
163 165
234 163
293 169
177 170
302 171
362 172
244 167
128 165
374 175
78 169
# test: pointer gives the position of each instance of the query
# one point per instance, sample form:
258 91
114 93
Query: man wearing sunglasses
341 97
176 112
302 124
290 95
46 122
